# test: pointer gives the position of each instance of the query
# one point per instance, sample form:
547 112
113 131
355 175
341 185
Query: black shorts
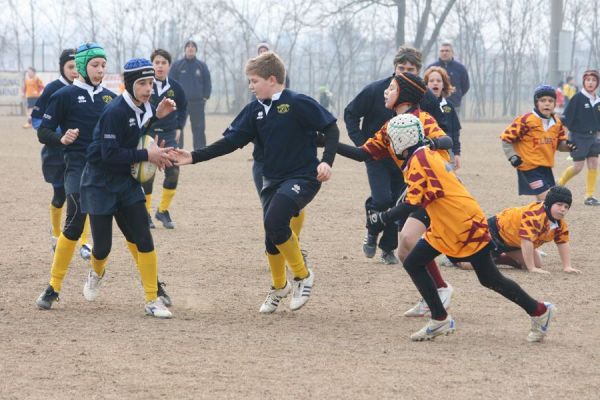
53 165
588 145
421 215
300 190
498 244
535 181
75 162
103 193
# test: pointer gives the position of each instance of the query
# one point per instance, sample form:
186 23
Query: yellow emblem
446 109
283 108
107 99
170 93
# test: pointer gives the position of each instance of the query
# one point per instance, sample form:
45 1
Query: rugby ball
145 170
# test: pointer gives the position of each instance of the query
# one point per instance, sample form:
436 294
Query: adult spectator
459 77
194 76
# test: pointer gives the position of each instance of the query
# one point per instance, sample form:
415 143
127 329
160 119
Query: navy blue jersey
116 136
171 90
42 102
581 116
286 134
452 124
77 106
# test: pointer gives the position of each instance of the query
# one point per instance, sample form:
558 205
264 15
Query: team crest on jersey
170 93
446 109
283 108
131 121
107 99
81 99
260 115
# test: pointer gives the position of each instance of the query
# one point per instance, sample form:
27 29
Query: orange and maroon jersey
458 225
33 87
532 223
379 146
532 143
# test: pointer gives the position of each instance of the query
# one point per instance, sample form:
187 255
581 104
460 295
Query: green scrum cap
85 53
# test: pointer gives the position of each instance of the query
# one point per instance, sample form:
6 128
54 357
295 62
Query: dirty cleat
274 297
421 308
157 309
150 222
85 251
370 245
162 293
48 296
591 201
434 328
540 325
301 289
389 258
165 218
92 285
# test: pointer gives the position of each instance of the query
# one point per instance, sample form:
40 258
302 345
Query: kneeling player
108 189
458 229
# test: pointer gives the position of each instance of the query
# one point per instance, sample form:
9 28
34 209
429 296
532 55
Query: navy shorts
300 190
499 246
74 164
53 165
588 145
535 181
31 101
103 193
167 136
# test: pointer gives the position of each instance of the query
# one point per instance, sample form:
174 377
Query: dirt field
349 342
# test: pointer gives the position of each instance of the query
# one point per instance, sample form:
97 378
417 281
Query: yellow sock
590 182
297 222
277 264
566 176
99 265
147 265
55 218
60 264
293 257
83 239
165 199
134 251
149 203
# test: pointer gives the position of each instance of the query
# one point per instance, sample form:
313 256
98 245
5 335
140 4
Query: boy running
284 123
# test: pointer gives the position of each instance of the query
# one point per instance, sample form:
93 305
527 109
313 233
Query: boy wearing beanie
582 118
531 141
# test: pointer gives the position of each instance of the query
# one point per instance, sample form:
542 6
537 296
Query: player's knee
144 242
74 227
278 233
171 178
58 198
270 247
101 249
405 245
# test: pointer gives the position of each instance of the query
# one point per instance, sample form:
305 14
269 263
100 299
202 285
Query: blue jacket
370 106
459 78
581 116
194 77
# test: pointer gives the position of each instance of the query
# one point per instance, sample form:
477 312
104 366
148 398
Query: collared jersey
581 116
77 106
42 103
379 146
534 144
458 225
530 222
116 136
286 133
169 89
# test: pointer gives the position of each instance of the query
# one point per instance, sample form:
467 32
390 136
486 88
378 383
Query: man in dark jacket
194 76
385 179
459 77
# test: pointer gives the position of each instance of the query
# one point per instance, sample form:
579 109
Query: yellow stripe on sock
149 203
55 219
297 222
566 176
98 265
278 273
291 251
62 258
147 265
165 199
590 182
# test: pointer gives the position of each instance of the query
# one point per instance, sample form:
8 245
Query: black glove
432 143
515 161
375 219
571 145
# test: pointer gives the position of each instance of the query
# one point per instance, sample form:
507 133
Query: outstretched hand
158 154
180 157
165 107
